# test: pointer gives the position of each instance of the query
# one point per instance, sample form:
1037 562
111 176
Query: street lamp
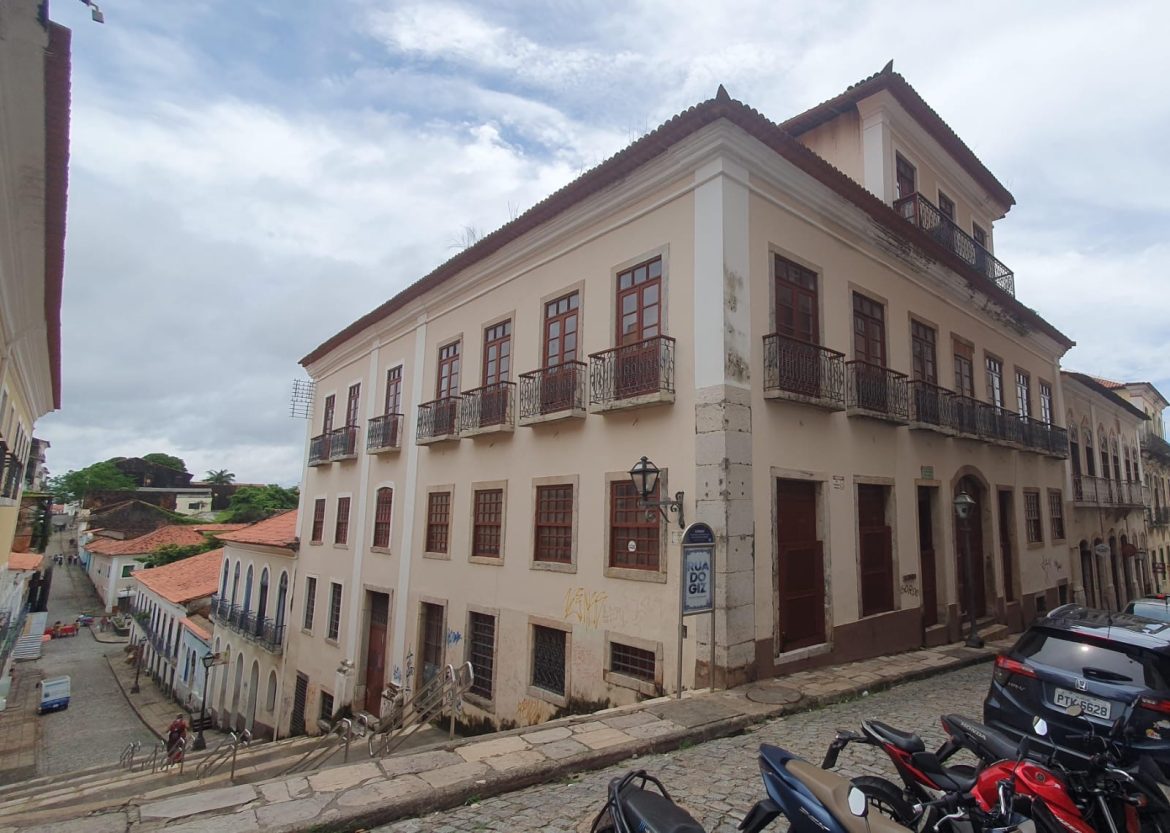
964 503
644 475
208 660
138 646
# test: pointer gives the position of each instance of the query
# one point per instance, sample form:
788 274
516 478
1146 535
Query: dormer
882 134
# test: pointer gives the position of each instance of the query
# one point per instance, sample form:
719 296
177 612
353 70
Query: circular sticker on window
631 545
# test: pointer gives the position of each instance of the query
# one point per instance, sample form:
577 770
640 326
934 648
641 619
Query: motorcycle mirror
858 806
1074 710
1040 726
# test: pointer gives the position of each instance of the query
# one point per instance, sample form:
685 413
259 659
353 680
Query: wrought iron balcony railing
630 374
1156 446
343 442
998 425
878 391
803 372
1101 491
924 214
1043 437
384 433
319 450
553 390
488 408
437 420
11 473
934 407
220 609
269 636
1158 516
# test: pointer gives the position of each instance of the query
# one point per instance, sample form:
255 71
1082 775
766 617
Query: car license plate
1091 705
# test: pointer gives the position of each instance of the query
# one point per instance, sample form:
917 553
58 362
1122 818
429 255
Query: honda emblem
1082 685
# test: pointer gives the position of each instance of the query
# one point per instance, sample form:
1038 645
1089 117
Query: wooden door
869 348
430 642
1006 553
446 389
926 555
639 307
296 725
975 526
376 652
800 568
558 388
797 310
876 554
497 369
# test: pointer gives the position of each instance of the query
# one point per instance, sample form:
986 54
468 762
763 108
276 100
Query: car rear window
1142 667
1151 610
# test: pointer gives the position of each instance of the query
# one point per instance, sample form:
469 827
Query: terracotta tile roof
182 581
179 534
917 107
21 561
218 527
277 531
1107 383
198 625
1095 384
658 142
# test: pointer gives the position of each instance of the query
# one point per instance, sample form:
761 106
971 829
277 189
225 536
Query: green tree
170 553
77 484
220 477
255 503
167 460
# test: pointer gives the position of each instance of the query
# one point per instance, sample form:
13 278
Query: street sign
699 591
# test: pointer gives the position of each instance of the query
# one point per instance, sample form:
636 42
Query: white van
54 694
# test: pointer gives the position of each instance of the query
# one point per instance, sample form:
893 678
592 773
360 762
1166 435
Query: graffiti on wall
585 606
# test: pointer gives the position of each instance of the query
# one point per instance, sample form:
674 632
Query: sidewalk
18 726
377 791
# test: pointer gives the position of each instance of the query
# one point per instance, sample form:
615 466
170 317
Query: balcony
1155 446
1158 516
924 214
384 433
269 636
221 610
319 450
437 421
1101 491
877 392
343 443
11 473
632 376
935 409
553 393
1044 437
801 372
488 410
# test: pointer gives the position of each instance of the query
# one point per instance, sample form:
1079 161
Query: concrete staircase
54 798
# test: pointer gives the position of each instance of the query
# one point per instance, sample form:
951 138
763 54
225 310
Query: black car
1112 665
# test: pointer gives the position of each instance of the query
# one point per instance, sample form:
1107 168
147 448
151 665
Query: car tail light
1154 704
1006 666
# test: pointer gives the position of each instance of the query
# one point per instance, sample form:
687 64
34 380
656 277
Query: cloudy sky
249 176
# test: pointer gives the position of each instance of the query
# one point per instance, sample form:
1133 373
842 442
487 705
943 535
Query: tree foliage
220 477
170 553
167 460
255 503
77 484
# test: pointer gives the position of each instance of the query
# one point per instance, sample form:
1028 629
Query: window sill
438 556
316 543
383 550
332 642
553 566
655 576
546 696
1035 545
337 546
485 559
647 687
479 702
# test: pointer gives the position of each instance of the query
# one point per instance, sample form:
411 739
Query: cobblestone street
99 722
718 781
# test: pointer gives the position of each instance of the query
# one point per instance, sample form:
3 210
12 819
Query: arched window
1116 459
262 602
270 700
1128 469
1090 460
223 589
281 602
383 512
247 605
235 583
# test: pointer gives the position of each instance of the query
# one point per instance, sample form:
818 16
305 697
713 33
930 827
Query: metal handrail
443 692
228 747
324 748
126 759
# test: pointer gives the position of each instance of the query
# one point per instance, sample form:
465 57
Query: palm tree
220 477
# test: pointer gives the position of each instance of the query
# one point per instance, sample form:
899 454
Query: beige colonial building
34 151
802 324
1107 524
249 612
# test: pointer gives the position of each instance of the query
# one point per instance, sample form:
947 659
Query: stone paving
718 781
377 791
